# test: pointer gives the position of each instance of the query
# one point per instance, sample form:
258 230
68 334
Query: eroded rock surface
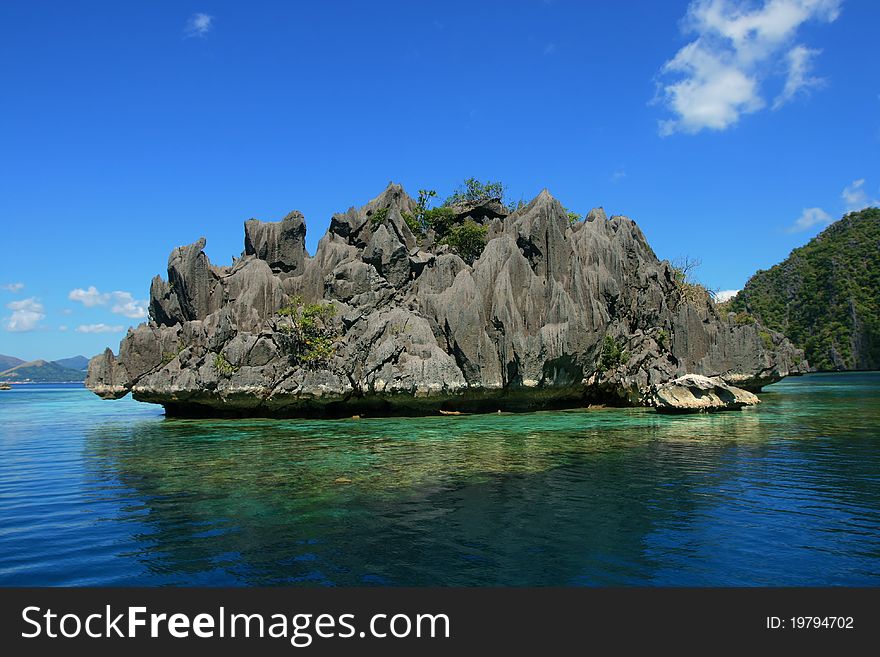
693 393
416 328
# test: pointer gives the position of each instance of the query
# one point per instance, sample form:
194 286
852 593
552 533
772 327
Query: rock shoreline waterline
385 320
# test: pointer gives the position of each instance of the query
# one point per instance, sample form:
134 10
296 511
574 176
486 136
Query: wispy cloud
12 287
122 303
855 197
199 25
549 49
618 175
799 80
725 295
26 315
810 217
716 78
99 328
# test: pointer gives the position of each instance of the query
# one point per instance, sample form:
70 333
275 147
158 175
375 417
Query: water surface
111 493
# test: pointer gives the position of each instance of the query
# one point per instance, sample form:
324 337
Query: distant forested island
825 297
65 370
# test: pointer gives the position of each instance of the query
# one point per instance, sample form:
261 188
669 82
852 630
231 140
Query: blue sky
730 131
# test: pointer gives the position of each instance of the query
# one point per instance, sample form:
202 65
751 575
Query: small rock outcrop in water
693 393
382 320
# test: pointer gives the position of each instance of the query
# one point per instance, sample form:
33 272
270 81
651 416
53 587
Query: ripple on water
111 493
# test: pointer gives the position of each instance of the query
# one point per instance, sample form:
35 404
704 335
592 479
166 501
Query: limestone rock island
390 318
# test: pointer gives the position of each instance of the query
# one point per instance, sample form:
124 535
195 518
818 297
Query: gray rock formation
413 328
693 393
280 244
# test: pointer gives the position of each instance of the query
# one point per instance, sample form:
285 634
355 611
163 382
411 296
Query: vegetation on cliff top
692 291
467 238
475 191
825 297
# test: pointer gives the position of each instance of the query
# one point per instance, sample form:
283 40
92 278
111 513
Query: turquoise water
111 493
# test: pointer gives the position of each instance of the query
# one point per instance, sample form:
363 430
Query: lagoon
99 493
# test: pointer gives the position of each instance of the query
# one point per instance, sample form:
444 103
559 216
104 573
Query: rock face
693 393
549 315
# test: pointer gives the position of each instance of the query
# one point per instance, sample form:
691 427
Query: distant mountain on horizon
74 362
7 362
43 371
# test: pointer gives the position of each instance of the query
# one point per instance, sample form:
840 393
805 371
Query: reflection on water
112 493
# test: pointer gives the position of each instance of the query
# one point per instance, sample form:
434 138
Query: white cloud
713 93
855 198
63 327
550 48
99 328
618 175
716 78
89 298
12 287
26 314
123 303
725 295
799 79
810 217
199 25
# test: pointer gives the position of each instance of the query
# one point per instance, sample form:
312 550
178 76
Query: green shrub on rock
307 332
467 239
742 318
223 367
613 354
474 191
663 339
378 217
424 218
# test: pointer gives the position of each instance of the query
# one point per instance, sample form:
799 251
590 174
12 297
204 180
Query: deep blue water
111 493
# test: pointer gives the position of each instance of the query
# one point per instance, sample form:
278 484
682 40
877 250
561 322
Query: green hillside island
73 363
825 297
41 371
8 362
